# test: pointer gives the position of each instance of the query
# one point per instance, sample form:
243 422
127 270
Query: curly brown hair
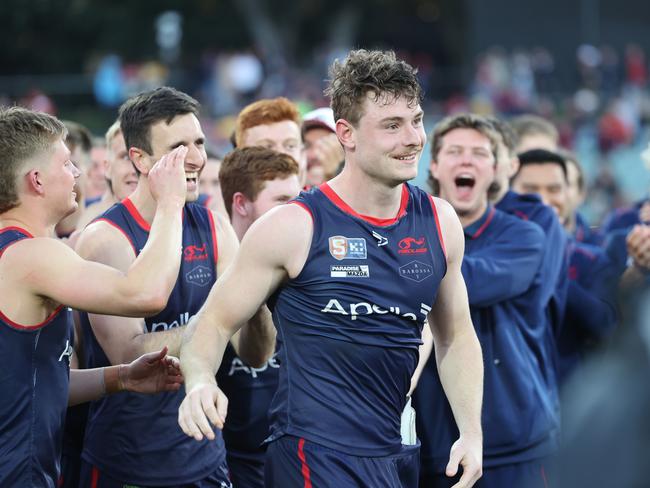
364 72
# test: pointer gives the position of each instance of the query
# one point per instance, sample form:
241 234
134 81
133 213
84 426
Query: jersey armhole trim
435 216
213 230
15 325
305 207
27 236
113 224
19 229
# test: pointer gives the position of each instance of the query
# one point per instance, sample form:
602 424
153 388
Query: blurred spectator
323 151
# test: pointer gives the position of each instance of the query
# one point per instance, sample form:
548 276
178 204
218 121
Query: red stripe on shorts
305 469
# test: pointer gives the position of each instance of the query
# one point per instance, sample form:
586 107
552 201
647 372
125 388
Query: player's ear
34 181
140 159
346 134
240 204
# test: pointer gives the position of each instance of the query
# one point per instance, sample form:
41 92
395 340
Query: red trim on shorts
336 200
135 214
307 209
94 477
213 229
482 228
435 215
544 477
110 222
40 325
306 475
20 229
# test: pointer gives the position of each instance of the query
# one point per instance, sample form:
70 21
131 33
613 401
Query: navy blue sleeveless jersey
349 325
34 379
136 437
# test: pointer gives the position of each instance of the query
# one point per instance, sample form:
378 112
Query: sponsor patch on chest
342 247
350 271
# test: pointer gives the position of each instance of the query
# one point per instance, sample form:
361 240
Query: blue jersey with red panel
133 436
349 325
34 378
591 306
502 268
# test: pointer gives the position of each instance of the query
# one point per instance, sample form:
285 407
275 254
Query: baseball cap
321 117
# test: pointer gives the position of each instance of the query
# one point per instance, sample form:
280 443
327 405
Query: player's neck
36 225
467 219
144 201
240 226
367 196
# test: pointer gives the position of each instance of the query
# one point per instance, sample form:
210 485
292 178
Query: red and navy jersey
349 325
132 436
34 379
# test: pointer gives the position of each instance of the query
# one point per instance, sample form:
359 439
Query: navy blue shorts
531 474
246 471
70 468
92 477
294 462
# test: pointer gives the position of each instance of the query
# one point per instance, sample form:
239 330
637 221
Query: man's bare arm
254 343
49 271
458 354
123 339
150 373
274 248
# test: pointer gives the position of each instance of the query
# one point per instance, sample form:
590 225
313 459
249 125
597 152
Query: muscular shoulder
100 241
451 230
284 234
28 259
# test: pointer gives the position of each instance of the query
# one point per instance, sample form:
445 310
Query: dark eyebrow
420 113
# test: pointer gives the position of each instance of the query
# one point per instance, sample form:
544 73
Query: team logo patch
411 245
201 276
348 247
195 253
416 271
351 271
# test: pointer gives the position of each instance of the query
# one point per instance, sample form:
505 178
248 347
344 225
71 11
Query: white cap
321 117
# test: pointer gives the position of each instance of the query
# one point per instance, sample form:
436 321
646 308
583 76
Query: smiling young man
40 279
503 256
131 439
354 270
